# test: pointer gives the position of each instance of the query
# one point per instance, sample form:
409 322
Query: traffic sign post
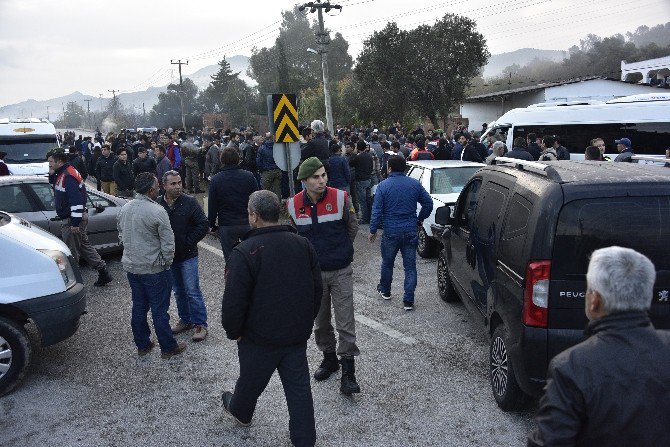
283 115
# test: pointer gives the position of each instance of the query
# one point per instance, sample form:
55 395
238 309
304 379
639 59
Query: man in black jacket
533 148
77 162
519 151
143 163
362 164
229 192
123 175
189 225
272 295
104 170
474 151
613 388
317 146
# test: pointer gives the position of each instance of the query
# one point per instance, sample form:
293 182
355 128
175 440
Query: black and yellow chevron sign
285 118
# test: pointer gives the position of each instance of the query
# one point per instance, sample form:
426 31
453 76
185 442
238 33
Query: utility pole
113 92
323 39
88 112
48 114
180 63
181 90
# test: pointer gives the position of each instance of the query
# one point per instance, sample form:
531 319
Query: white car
444 180
40 284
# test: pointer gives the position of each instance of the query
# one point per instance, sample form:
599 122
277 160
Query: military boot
103 278
348 383
328 366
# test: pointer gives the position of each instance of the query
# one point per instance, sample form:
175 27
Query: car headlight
64 266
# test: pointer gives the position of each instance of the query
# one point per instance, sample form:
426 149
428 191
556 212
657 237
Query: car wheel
14 354
505 387
444 285
427 246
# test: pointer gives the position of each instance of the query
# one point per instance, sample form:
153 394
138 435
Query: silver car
32 199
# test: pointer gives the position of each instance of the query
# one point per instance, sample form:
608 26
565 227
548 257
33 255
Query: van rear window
640 223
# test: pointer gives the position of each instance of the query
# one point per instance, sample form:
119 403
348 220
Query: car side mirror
443 216
99 208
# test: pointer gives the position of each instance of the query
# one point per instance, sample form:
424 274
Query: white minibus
26 142
644 119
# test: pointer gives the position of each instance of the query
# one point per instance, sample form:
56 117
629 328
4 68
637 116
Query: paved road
423 377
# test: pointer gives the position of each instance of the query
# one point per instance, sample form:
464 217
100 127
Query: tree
73 116
450 53
213 97
425 71
288 67
380 91
167 112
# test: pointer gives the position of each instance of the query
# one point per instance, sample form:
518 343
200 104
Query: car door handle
471 257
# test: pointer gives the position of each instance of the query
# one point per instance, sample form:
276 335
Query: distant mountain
143 100
498 62
54 107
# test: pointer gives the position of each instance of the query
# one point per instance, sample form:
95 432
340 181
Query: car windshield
450 180
28 149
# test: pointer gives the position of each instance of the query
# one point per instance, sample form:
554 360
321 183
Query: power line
207 54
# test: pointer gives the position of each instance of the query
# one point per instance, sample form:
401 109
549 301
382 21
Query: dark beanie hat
309 167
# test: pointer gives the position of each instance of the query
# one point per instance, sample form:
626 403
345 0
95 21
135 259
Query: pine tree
222 79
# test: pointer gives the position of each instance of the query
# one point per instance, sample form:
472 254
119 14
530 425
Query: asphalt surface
423 376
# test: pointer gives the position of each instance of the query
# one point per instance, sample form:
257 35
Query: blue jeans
406 243
364 199
152 292
186 286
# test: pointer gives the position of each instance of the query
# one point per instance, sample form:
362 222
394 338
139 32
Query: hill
134 100
498 62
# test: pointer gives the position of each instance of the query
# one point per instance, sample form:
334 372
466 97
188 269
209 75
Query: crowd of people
285 281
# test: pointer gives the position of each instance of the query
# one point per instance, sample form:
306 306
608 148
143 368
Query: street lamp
181 99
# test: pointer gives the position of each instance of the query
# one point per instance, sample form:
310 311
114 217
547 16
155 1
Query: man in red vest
326 216
70 199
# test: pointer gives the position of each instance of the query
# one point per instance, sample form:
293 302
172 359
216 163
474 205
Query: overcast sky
51 48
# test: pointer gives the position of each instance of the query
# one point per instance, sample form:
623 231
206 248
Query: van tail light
536 294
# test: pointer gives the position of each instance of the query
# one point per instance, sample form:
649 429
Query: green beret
309 167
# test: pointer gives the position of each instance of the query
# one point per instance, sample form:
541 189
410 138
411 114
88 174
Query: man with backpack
548 149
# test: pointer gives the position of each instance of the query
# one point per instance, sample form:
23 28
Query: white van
39 283
26 142
644 119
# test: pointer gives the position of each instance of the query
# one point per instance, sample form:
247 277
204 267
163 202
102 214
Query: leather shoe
181 347
200 334
181 327
147 350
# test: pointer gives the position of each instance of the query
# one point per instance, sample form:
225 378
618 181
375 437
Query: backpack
548 156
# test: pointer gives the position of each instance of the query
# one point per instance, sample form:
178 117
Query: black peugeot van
516 250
